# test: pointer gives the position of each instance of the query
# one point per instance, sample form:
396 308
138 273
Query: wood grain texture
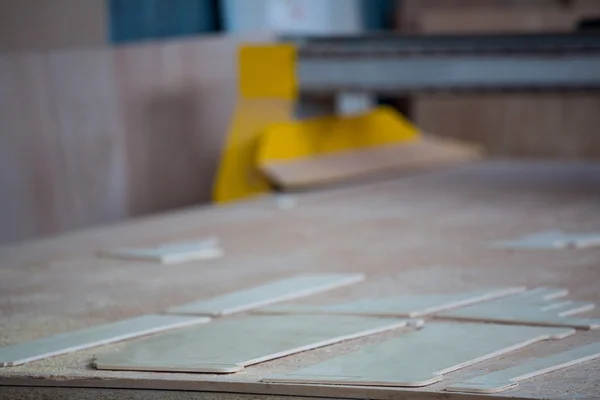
91 136
31 25
63 155
423 232
523 125
176 100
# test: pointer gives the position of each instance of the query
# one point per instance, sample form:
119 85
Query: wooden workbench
425 233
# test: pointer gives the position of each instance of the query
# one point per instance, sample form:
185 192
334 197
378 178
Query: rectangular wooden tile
509 378
258 296
170 253
421 357
228 345
404 306
555 239
95 336
534 307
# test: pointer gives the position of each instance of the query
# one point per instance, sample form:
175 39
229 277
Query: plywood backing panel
96 135
43 25
175 100
532 125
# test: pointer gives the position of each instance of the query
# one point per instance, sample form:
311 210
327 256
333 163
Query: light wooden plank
534 307
509 378
96 336
421 358
286 289
405 306
407 157
228 345
170 253
554 239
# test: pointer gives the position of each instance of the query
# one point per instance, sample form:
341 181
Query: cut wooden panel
422 357
405 306
509 378
555 239
229 345
96 336
534 307
567 308
286 289
429 152
170 253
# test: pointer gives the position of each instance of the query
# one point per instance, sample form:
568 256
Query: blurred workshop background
113 109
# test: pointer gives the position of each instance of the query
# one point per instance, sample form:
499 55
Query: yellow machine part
263 127
267 89
332 134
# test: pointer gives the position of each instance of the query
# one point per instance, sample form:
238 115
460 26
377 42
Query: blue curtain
137 20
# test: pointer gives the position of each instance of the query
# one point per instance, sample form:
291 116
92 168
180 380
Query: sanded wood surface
424 234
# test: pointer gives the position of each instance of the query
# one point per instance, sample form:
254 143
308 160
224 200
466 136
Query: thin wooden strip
286 289
509 378
554 239
169 253
533 307
421 358
95 336
228 345
404 306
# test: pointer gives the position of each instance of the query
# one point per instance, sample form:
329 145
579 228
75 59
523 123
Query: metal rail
407 64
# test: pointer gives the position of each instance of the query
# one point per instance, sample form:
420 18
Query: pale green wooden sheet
258 296
422 357
169 253
554 239
534 307
95 336
509 378
406 306
228 345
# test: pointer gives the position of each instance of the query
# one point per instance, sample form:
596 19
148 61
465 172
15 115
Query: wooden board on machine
428 152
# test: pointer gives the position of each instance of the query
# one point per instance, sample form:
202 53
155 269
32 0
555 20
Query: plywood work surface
424 234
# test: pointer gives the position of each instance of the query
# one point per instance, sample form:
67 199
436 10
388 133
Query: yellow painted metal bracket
263 129
267 90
